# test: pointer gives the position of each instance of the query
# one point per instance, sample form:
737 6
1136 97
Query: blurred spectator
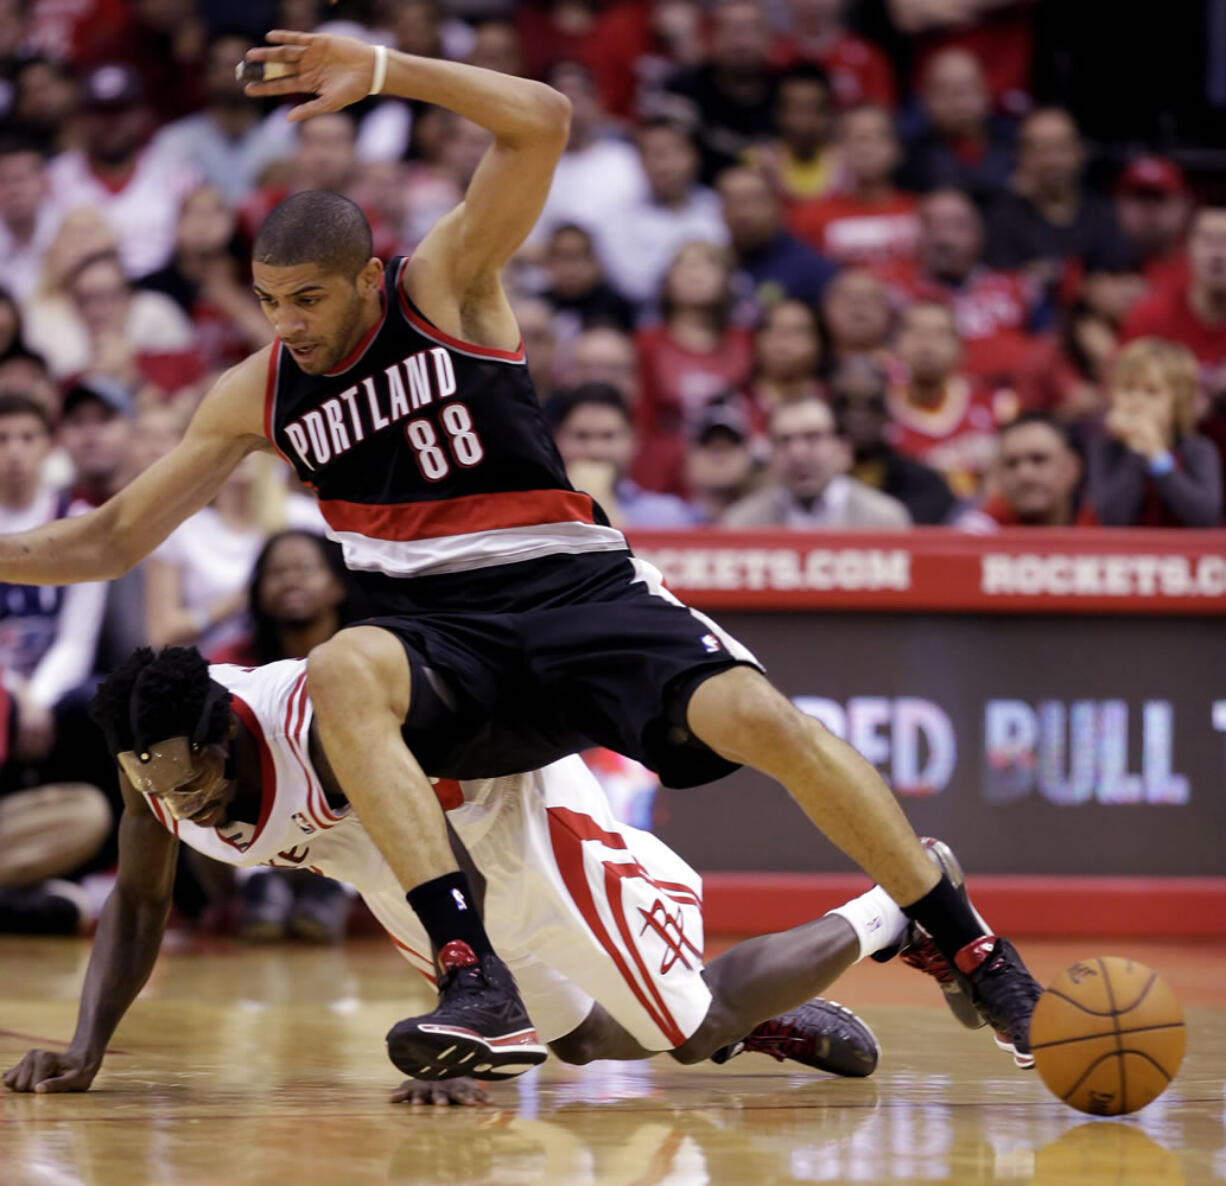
136 187
959 143
297 599
595 435
535 319
45 102
817 33
720 467
578 292
229 143
165 45
1000 34
870 221
24 372
28 218
1039 477
993 310
449 149
108 328
787 354
676 41
207 278
197 578
496 47
1151 469
858 389
729 98
1154 206
803 163
48 634
1069 376
639 242
607 39
856 312
695 355
775 263
95 430
605 355
810 487
1051 218
597 176
940 416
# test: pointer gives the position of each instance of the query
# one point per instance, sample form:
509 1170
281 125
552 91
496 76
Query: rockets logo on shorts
711 644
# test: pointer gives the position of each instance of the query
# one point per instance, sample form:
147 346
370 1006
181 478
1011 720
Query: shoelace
1014 992
927 958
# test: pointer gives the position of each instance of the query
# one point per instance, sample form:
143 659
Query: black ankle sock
946 917
447 911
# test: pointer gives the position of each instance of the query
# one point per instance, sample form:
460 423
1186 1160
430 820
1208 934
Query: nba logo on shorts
711 644
301 821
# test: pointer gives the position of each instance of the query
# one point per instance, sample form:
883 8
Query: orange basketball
1108 1036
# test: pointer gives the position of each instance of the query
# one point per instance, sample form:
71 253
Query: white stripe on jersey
474 549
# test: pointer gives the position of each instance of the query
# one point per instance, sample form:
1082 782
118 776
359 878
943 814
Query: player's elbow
551 114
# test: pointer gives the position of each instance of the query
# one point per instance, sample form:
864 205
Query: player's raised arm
107 542
125 949
530 122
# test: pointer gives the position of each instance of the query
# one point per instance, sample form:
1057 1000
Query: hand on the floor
45 1071
441 1094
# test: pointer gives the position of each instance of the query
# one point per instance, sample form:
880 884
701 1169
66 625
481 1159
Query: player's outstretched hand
441 1094
45 1071
337 70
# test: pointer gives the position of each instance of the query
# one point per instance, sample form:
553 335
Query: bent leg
743 718
50 831
598 1036
359 683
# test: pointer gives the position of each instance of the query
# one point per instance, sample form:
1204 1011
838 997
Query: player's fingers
440 1097
320 106
275 53
289 84
290 37
71 1081
23 1073
403 1092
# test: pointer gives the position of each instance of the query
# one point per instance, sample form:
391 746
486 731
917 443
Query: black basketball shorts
517 666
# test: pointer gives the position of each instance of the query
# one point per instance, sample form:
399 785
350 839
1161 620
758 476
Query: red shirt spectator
1154 206
941 417
871 222
859 72
694 357
1039 475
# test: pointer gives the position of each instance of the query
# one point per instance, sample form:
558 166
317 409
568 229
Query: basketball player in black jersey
399 394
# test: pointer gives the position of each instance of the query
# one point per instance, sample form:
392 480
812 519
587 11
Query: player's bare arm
453 276
109 541
125 949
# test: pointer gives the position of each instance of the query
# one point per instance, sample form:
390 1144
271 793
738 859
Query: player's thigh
740 714
360 669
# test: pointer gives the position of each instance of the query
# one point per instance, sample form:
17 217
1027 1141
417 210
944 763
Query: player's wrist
378 75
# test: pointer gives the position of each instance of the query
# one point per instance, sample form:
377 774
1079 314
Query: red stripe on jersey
449 793
567 831
297 705
406 521
361 348
268 769
430 330
270 397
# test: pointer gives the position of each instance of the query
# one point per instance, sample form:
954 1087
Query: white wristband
379 77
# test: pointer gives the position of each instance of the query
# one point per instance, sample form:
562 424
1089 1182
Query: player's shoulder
235 403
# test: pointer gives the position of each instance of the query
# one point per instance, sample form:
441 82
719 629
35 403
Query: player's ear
370 278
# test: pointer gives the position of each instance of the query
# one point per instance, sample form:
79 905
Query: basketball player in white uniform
600 923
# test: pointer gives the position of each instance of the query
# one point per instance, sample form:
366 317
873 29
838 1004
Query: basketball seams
1055 992
1140 1029
1119 1041
1117 1054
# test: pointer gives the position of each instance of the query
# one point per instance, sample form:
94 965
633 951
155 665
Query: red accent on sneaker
926 956
970 957
457 954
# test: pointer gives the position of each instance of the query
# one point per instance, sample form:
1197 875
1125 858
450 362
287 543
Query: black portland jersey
428 454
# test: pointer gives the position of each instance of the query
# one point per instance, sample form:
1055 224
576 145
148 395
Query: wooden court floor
240 1066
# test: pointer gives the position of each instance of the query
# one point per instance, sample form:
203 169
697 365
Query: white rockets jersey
297 829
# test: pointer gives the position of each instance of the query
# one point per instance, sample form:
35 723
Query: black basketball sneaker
992 974
820 1034
479 1030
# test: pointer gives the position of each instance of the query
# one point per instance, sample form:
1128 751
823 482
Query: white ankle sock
876 919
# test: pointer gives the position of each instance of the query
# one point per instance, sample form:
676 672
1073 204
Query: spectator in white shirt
810 488
48 634
137 188
597 177
638 242
231 142
28 218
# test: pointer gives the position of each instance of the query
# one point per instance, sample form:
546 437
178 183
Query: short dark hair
665 123
315 227
150 697
16 140
16 404
572 228
1035 417
563 405
809 72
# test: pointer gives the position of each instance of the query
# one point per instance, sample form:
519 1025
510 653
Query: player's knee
348 669
749 718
